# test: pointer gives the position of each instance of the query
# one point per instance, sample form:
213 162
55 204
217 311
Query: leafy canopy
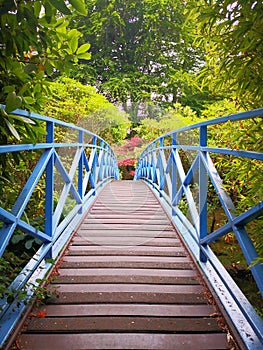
81 105
136 45
35 46
230 31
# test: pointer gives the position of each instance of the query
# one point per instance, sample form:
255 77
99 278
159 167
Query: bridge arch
93 165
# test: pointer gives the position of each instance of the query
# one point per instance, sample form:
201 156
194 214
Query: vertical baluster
154 160
161 167
94 163
174 175
203 187
114 171
101 161
80 168
107 158
49 205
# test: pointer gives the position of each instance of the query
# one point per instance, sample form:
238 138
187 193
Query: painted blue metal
93 165
161 166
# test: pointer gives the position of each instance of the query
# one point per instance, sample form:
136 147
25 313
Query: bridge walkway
126 281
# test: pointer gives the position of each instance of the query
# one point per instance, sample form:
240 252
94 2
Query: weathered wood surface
125 282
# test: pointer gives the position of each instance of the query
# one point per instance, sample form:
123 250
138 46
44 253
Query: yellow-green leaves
82 52
74 49
74 40
83 49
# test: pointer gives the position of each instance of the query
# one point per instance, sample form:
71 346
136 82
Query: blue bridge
133 260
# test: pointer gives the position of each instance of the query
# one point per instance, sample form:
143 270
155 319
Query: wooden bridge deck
125 282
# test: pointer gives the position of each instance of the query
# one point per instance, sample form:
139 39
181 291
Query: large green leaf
12 129
84 56
60 5
37 8
12 102
21 118
79 5
73 44
83 49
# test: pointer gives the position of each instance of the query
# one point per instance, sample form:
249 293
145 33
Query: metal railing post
174 175
49 202
95 160
161 167
203 187
80 169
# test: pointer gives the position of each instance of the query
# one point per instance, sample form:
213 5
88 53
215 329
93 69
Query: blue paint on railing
161 166
91 170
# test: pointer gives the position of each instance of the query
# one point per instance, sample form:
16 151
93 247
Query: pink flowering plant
127 155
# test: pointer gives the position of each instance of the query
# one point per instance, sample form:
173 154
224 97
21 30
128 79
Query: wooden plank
122 324
121 215
127 226
149 235
154 242
120 278
137 250
126 262
144 341
112 241
113 203
83 276
108 275
126 293
151 310
125 233
116 239
129 272
130 259
90 220
128 288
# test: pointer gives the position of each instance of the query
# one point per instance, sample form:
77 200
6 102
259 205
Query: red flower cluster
126 162
134 142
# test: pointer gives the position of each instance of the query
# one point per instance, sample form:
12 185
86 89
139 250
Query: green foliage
241 177
35 46
149 129
42 290
220 109
82 105
175 118
230 32
136 46
10 266
36 43
185 88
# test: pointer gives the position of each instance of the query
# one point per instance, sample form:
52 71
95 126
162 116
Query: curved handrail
161 166
89 172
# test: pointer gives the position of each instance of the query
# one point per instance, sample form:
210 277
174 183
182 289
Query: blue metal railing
93 164
162 165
